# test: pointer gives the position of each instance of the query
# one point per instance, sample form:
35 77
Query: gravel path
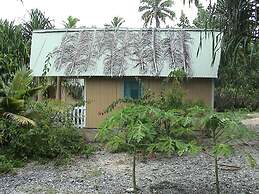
111 173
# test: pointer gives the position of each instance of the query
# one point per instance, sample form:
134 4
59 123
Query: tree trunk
58 90
39 94
157 23
134 172
216 163
217 174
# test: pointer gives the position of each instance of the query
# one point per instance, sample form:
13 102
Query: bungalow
123 63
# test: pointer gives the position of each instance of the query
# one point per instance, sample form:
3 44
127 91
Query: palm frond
71 22
19 119
167 3
20 83
141 50
117 49
177 50
38 20
77 52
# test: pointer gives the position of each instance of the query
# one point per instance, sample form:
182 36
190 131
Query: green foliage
37 21
9 164
5 165
154 127
14 51
88 150
222 150
115 23
226 133
53 136
250 159
238 85
205 19
74 88
71 22
226 128
14 96
165 124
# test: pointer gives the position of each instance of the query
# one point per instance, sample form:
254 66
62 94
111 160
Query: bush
5 165
54 136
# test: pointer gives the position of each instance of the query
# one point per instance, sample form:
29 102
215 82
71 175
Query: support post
58 89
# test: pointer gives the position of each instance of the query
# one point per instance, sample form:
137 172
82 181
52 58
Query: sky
90 12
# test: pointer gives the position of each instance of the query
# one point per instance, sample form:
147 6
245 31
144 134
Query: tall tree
157 10
38 20
71 22
239 52
204 20
237 22
184 22
14 50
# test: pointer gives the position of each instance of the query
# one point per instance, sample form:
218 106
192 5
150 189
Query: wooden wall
101 92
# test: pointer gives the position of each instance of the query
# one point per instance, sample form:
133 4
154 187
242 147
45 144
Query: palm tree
71 22
37 21
157 10
117 22
184 21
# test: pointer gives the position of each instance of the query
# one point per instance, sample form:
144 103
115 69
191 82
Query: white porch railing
79 116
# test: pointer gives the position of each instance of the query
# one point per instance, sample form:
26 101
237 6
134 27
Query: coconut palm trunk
157 22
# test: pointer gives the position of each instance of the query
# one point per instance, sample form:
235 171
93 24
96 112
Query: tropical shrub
53 136
5 165
35 130
8 164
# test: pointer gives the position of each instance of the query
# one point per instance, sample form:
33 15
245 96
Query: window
132 89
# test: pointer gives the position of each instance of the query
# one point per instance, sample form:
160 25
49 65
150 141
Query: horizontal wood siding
101 92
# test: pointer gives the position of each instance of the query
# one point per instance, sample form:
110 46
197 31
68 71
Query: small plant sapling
131 129
226 134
